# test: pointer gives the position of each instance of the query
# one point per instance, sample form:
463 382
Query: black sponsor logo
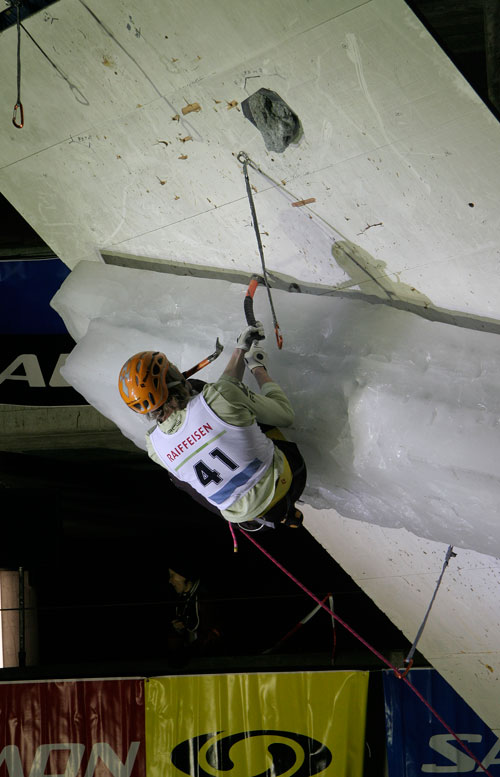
29 370
300 756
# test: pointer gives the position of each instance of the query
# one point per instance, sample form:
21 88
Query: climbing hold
275 120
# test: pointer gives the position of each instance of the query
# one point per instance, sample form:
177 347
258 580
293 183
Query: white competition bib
220 461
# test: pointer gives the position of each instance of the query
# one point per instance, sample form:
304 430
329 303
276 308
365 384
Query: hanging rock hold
274 119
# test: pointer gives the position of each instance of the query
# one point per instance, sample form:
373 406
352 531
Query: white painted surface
399 571
396 150
392 136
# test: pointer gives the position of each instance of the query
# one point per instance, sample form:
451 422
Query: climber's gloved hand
256 356
250 334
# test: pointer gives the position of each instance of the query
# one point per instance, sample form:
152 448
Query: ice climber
221 442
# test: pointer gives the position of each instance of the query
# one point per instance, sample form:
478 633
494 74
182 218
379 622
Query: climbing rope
245 160
401 676
409 658
334 630
293 197
297 626
319 221
18 106
77 93
235 541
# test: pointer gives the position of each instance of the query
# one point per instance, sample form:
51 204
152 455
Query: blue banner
34 342
26 288
418 744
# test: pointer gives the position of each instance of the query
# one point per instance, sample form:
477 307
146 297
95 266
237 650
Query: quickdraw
408 662
245 160
18 106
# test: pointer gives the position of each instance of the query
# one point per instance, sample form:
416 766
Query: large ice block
398 418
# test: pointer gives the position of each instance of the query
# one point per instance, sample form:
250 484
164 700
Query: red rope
334 632
297 626
235 541
373 650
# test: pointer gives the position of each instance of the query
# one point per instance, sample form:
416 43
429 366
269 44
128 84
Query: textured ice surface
398 418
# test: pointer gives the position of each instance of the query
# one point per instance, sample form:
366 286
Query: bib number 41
206 475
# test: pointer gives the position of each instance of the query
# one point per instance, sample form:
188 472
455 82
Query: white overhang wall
402 161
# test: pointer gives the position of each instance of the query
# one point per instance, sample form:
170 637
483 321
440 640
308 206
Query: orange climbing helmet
143 381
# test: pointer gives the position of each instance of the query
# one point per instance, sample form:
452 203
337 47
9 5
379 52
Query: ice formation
398 418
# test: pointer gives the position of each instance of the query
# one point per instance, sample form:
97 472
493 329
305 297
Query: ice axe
218 350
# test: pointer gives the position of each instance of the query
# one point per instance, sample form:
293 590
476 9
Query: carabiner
279 337
403 671
18 107
244 159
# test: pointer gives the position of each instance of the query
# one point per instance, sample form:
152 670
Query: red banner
88 728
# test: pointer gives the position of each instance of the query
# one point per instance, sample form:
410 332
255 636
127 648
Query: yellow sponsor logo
296 724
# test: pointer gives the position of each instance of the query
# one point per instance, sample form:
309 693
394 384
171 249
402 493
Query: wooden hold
192 107
300 203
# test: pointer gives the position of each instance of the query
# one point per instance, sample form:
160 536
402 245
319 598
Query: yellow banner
256 725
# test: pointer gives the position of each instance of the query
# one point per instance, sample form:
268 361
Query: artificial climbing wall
133 122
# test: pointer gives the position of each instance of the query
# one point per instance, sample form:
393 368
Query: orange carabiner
279 337
18 107
403 671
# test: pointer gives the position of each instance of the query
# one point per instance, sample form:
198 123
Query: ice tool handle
218 350
245 160
248 302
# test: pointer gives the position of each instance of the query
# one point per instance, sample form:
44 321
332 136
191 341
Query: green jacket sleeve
236 404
